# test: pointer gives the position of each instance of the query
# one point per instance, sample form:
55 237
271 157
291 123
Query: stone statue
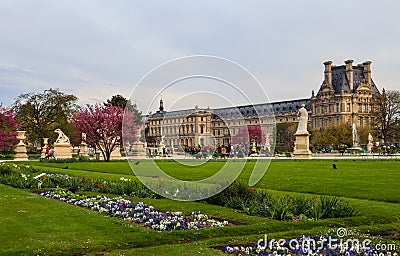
62 138
303 119
138 134
355 136
83 136
370 142
370 138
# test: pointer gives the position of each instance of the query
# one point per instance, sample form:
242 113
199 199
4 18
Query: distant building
345 96
212 127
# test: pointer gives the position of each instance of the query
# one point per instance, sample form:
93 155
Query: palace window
348 107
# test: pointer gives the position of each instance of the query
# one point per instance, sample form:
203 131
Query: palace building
345 95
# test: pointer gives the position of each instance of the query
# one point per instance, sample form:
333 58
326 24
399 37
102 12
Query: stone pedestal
138 149
20 150
369 147
302 145
63 150
83 149
46 144
160 147
116 153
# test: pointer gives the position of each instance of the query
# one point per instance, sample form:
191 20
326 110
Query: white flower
24 176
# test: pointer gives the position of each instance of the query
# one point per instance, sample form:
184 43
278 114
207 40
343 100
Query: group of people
224 150
192 150
50 153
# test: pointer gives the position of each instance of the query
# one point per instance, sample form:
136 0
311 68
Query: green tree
122 102
41 113
363 132
285 136
339 135
331 136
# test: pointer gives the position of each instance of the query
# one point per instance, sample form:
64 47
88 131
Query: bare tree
387 114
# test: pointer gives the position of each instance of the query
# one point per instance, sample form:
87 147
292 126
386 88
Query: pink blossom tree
247 134
8 129
103 126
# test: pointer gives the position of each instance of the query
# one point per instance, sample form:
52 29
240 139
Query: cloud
96 49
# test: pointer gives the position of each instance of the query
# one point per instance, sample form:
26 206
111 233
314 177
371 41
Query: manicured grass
31 224
366 179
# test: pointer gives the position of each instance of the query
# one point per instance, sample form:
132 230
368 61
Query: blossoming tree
8 129
103 127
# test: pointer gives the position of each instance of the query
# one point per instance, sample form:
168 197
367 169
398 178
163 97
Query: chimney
349 73
367 71
328 72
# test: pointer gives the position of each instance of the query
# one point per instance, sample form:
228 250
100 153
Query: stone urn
20 150
21 136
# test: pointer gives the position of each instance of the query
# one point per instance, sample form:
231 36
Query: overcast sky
96 49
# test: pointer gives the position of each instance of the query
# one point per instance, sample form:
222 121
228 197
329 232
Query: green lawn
366 179
33 225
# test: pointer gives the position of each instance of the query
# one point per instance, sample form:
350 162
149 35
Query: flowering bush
260 203
137 212
21 176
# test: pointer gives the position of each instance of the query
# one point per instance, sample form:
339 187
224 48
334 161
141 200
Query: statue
370 138
62 146
302 144
370 142
83 137
303 119
355 136
62 138
138 134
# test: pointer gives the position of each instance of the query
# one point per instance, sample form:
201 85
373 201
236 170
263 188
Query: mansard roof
263 108
340 80
278 107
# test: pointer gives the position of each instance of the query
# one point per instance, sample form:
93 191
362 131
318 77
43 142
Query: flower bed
137 212
310 245
238 195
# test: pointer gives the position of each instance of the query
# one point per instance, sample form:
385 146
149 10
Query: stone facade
211 127
346 95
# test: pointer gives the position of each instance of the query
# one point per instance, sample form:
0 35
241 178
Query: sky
96 49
